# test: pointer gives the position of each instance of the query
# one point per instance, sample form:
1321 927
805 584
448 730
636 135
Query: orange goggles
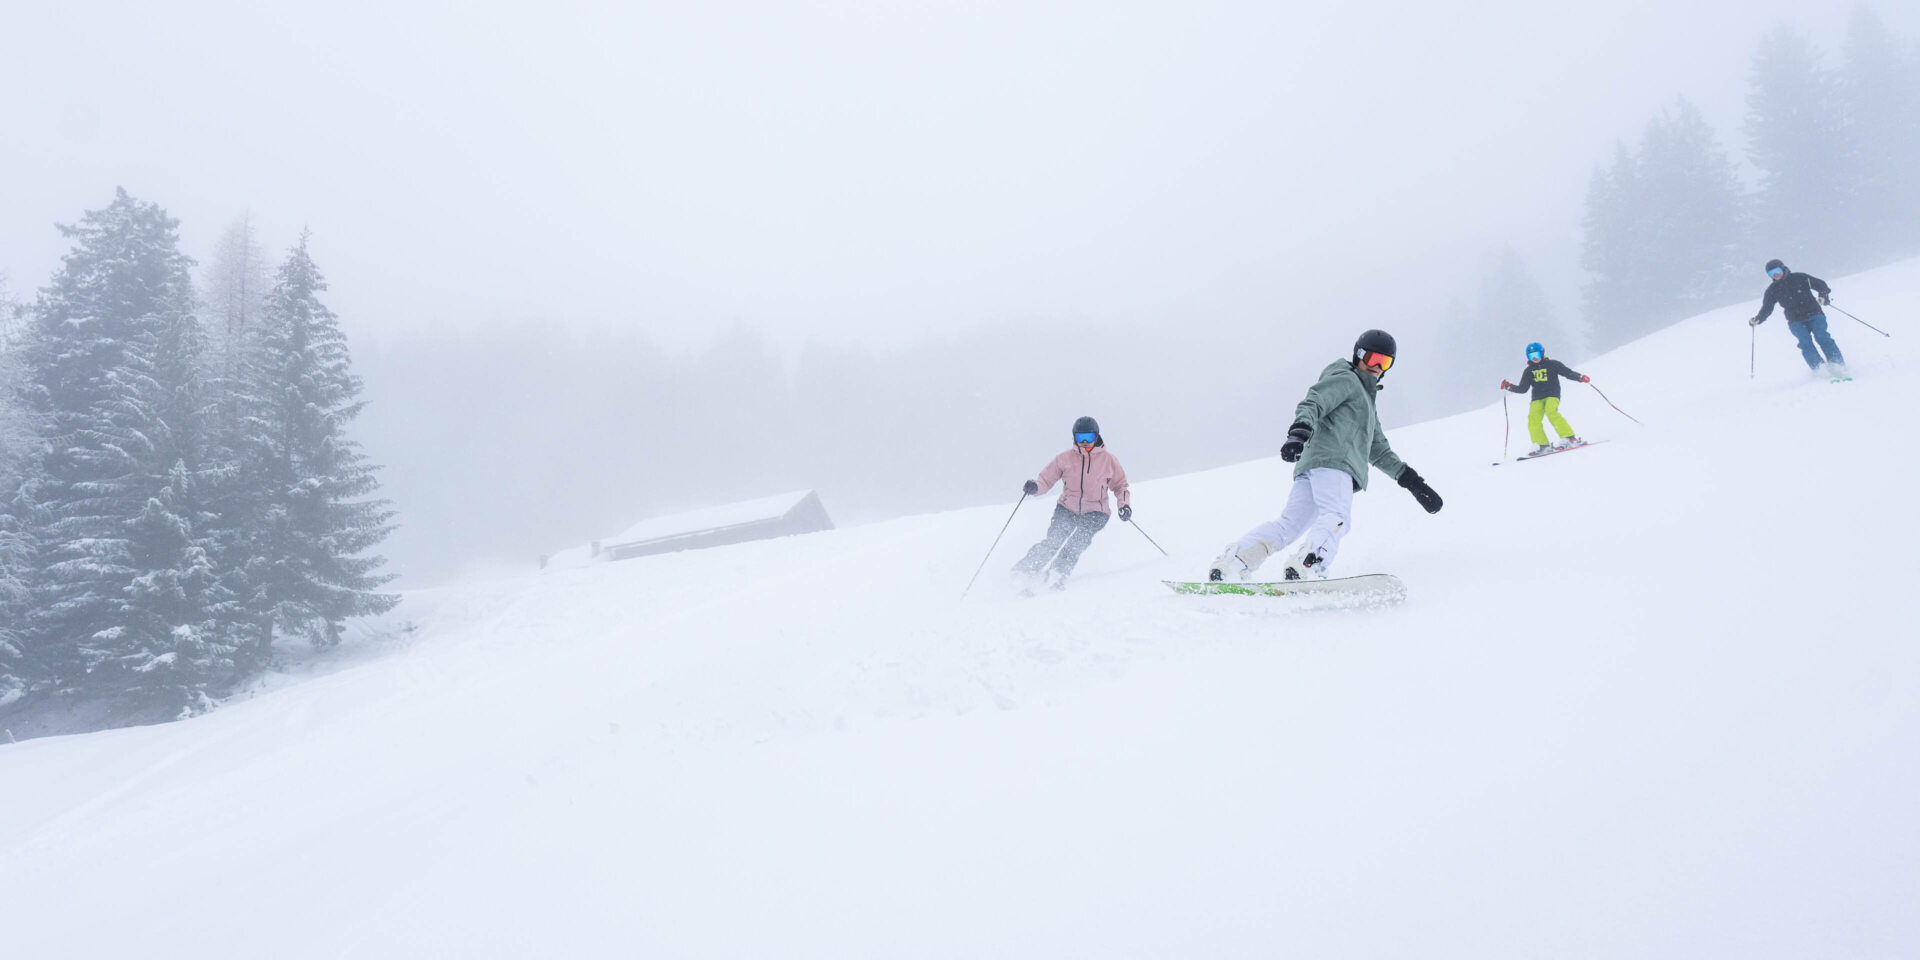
1375 359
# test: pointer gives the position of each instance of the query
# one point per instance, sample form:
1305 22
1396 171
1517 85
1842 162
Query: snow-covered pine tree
16 547
314 521
1796 137
112 359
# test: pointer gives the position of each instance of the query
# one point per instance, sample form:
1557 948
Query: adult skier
1089 471
1800 296
1542 376
1335 435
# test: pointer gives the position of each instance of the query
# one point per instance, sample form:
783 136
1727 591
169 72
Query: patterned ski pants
1067 538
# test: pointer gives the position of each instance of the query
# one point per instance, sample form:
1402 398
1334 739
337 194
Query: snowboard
1372 586
1549 453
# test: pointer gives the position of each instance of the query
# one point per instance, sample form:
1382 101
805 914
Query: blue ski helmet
1535 351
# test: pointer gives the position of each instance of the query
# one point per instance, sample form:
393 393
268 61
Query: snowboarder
1090 470
1335 435
1542 376
1800 296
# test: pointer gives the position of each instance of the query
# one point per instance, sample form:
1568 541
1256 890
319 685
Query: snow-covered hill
1660 698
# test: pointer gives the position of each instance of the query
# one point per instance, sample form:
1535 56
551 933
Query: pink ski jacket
1089 476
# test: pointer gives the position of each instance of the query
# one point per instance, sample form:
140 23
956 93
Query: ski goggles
1535 354
1085 437
1777 272
1377 359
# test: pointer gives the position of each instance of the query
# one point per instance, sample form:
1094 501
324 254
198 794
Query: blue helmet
1535 351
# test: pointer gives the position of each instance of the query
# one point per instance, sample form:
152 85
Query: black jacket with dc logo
1543 377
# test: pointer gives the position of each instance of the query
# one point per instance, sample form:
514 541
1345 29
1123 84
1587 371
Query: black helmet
1089 425
1773 265
1375 341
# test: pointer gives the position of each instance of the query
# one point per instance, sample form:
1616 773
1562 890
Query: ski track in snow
1660 699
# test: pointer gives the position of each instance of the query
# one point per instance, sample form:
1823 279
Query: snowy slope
1660 698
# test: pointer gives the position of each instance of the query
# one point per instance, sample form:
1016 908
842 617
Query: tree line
178 487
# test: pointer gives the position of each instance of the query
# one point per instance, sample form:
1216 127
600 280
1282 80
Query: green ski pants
1548 407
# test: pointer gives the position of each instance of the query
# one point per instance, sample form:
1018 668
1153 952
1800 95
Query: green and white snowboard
1378 587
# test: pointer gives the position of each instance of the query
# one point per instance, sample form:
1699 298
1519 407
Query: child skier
1335 434
1800 296
1089 470
1542 376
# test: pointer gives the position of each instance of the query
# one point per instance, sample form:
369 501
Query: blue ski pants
1813 331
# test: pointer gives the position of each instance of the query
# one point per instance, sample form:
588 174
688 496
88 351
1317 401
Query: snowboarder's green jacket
1346 428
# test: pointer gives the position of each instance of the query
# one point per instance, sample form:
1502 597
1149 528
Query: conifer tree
1878 91
1692 216
1664 229
16 546
1795 136
112 361
314 521
234 295
1610 248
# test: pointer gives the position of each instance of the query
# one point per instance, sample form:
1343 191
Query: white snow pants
1320 505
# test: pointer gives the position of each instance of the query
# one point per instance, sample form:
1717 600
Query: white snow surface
1658 698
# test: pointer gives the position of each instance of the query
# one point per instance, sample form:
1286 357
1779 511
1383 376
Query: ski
1372 586
1549 453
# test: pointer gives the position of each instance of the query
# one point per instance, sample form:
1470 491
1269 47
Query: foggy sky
1008 213
856 169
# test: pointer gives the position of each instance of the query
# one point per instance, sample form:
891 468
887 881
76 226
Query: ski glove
1126 513
1429 501
1754 322
1031 488
1297 437
1504 385
1585 379
1824 301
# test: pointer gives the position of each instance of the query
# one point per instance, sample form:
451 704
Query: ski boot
1538 449
1306 564
1565 442
1228 562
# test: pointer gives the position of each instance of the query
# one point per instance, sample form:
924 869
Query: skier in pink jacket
1089 471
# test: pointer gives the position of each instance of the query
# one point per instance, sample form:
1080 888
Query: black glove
1429 501
1297 437
1031 488
1126 512
1824 301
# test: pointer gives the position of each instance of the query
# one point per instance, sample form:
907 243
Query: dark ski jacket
1543 377
1346 427
1794 292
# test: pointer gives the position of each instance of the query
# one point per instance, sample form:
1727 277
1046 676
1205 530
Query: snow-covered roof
710 518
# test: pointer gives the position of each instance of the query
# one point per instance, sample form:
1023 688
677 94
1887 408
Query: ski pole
996 542
1603 396
1506 437
1752 338
1156 546
1863 323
